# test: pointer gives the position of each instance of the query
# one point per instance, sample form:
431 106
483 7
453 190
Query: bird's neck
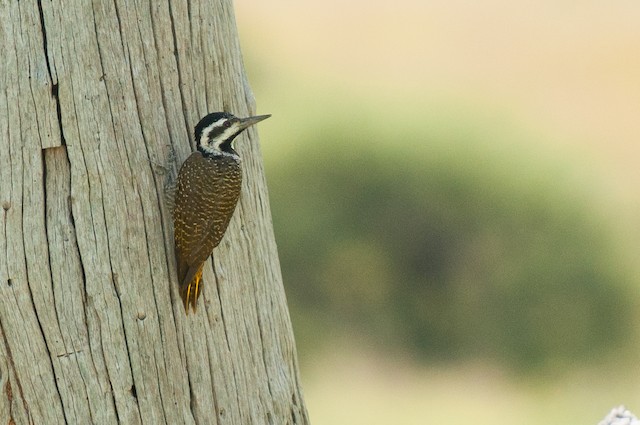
216 154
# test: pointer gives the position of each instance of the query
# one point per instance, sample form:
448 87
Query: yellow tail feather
191 292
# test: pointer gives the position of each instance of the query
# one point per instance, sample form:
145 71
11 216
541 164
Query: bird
207 189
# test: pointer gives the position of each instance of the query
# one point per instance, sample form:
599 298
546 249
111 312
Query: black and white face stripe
215 132
219 132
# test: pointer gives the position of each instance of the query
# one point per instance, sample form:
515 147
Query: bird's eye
227 124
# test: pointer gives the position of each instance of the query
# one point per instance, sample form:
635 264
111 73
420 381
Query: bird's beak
248 122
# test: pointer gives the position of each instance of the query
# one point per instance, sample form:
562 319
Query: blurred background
454 194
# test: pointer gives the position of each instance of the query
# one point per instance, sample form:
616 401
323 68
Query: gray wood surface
97 106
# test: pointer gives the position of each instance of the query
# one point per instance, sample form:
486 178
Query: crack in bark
224 329
115 6
112 391
117 292
9 392
15 374
264 351
10 282
65 190
155 301
6 248
219 411
164 412
157 48
46 232
6 205
72 221
192 396
50 357
260 324
177 58
71 205
68 354
54 84
162 200
31 298
114 280
224 324
106 85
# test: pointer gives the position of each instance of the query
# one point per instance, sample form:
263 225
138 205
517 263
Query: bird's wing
200 217
191 214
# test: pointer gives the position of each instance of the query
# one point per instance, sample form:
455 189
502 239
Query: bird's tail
190 291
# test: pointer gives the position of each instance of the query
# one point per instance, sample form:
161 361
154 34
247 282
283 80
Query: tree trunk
94 96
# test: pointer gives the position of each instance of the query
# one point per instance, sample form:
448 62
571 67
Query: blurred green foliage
448 249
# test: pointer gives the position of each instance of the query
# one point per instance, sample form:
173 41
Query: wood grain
97 106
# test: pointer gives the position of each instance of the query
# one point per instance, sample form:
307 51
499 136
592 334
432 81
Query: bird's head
215 132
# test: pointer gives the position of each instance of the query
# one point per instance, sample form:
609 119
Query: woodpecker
206 193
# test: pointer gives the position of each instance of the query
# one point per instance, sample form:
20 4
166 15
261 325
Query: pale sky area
570 70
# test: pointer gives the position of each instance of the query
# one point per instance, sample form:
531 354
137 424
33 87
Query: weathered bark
95 95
